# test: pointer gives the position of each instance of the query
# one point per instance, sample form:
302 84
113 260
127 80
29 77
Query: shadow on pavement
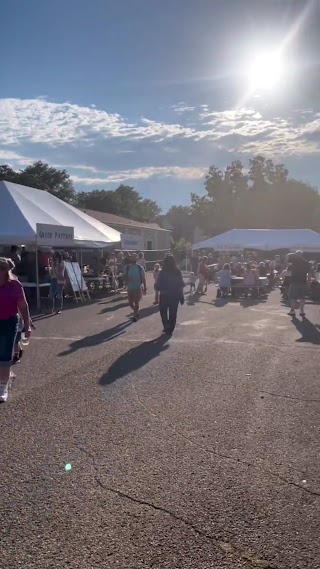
113 307
247 302
134 359
309 332
96 339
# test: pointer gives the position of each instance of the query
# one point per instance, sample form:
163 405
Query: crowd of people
296 276
294 273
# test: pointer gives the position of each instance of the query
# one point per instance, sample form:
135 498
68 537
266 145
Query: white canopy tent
23 207
264 240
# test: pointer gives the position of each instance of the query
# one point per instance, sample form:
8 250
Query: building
136 235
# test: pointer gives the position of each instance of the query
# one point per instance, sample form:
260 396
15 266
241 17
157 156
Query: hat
6 264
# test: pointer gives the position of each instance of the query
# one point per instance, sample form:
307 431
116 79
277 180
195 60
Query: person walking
170 284
57 283
300 269
12 301
202 274
136 281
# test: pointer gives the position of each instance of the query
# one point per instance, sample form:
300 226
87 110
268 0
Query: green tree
43 177
181 219
264 197
124 201
7 174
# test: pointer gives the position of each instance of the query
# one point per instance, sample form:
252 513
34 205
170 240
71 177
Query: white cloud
41 121
86 139
10 157
181 108
142 174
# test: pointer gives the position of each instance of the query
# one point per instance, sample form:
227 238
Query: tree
43 177
7 174
264 197
181 219
124 201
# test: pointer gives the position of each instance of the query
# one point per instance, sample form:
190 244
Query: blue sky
150 93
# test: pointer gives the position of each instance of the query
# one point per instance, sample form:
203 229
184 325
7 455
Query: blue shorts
8 333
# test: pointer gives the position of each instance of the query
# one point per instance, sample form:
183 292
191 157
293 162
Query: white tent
263 239
22 208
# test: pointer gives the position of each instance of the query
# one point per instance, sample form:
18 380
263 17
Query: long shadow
193 299
220 302
97 339
247 302
113 307
309 332
148 310
134 359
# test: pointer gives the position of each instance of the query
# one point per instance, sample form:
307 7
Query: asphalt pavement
123 449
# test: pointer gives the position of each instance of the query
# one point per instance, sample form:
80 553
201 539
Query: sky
150 93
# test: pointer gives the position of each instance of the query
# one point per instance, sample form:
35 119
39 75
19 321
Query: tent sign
54 235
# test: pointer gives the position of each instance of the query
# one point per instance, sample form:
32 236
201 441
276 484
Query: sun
265 71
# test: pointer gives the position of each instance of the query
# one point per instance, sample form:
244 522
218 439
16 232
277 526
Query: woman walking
57 283
170 286
12 301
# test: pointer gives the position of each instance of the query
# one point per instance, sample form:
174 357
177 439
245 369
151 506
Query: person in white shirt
225 279
141 260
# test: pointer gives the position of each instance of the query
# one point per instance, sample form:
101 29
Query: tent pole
81 273
37 280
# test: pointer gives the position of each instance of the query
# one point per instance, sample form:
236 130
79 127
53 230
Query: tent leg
37 281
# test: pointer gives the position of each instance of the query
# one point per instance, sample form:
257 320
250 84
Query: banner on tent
54 235
131 242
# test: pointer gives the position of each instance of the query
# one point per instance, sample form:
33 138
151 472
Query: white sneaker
3 393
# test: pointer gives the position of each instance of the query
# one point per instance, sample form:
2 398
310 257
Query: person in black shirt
300 268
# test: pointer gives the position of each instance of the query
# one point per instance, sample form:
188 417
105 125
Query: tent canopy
263 239
23 207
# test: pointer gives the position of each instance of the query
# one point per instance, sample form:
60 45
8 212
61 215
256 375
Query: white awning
263 239
22 208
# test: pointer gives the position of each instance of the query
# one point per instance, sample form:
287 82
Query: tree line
263 195
124 201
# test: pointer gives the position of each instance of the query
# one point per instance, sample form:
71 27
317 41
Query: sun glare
265 71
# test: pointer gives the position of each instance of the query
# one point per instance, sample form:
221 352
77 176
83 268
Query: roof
24 207
263 239
111 218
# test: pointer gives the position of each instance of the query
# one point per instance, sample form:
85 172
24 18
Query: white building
136 235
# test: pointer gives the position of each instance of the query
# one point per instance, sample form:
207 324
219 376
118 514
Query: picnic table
238 286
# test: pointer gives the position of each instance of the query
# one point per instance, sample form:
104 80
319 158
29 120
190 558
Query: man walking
136 280
298 285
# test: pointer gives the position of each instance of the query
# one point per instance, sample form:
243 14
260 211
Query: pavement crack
284 396
226 547
224 455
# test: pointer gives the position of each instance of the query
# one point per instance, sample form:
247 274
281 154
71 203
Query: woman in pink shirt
12 301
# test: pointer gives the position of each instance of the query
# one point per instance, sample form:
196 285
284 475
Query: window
149 245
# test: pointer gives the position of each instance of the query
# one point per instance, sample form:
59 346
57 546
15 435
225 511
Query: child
192 281
156 273
251 281
224 280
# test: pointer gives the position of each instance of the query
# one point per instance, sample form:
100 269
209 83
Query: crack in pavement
226 547
291 397
223 455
